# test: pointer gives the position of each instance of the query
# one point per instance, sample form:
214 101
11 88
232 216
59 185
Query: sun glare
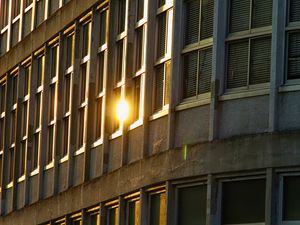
122 110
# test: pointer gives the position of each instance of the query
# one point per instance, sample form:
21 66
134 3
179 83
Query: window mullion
249 63
200 20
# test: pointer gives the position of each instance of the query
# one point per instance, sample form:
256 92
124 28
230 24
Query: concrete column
271 197
218 64
278 61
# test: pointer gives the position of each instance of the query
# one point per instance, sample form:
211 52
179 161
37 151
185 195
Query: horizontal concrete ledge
233 156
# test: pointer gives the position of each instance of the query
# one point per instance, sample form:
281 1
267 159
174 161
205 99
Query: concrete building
212 137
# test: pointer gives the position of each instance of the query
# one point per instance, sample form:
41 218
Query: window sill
291 222
243 94
116 134
10 185
21 179
64 159
245 224
135 125
159 114
34 172
289 87
80 151
97 143
192 103
49 166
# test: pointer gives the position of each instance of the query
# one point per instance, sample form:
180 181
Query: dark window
243 201
158 209
291 198
192 205
293 55
240 14
242 70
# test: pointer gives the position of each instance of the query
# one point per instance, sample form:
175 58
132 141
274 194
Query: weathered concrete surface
241 154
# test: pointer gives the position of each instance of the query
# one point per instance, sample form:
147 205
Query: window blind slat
261 13
205 70
162 35
260 60
294 10
207 19
190 74
237 64
294 56
239 15
192 21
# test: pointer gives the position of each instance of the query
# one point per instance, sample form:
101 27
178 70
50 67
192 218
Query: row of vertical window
19 28
241 200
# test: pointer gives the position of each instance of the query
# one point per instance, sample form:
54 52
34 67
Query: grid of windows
249 43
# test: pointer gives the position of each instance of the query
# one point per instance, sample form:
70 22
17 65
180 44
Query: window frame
234 179
281 198
249 34
52 119
290 27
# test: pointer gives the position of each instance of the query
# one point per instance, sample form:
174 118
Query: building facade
212 135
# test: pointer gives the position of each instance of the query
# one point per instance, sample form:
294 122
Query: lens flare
122 110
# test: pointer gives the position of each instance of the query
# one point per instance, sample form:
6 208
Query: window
67 91
83 84
293 40
53 59
157 208
163 56
24 119
120 67
40 12
112 217
12 126
291 187
249 56
3 14
139 59
76 219
101 76
2 120
2 114
93 217
191 205
243 201
15 8
39 76
197 64
133 211
122 16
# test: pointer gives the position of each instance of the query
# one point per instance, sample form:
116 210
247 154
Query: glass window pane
158 209
192 205
291 198
243 201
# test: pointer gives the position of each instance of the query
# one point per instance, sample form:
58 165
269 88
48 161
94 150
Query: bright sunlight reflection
122 110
